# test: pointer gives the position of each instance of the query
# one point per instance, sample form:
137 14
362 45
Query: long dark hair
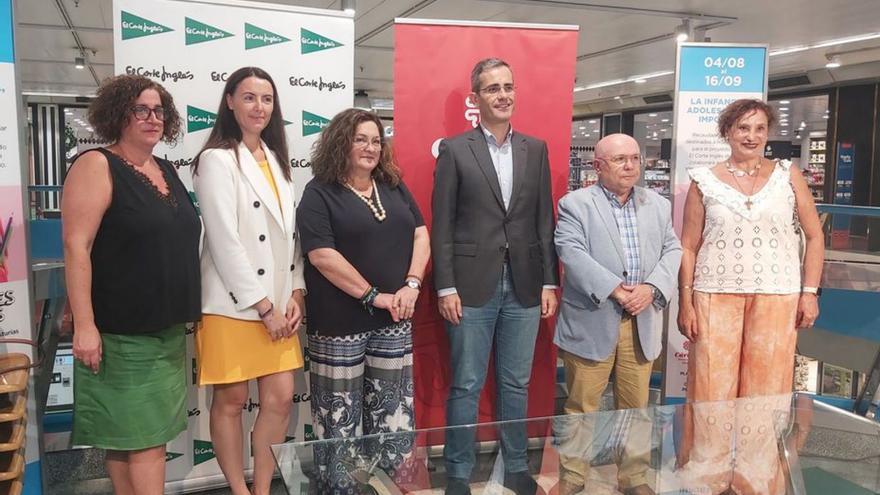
226 134
330 152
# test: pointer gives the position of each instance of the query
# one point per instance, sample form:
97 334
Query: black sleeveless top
145 256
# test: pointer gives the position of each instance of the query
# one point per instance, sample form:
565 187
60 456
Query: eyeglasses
621 160
142 112
497 88
362 142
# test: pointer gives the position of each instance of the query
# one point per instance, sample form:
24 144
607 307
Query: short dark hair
226 133
110 110
483 66
331 150
739 109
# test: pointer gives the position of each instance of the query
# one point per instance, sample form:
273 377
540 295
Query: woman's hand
386 302
405 302
87 346
276 324
294 312
807 311
687 322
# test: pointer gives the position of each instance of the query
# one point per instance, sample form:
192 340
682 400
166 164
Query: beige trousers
586 381
744 351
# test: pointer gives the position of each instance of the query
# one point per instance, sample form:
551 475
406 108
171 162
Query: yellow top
264 167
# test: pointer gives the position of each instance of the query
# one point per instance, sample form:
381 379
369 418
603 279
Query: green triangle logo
309 433
199 32
137 27
313 124
202 451
170 456
287 122
198 119
255 37
313 42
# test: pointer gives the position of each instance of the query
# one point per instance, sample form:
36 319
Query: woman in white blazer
252 274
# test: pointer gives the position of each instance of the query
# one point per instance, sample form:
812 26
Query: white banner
709 76
190 47
16 306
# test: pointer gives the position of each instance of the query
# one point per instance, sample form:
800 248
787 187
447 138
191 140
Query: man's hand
640 297
450 308
549 303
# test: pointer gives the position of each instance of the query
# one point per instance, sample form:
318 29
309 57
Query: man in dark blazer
495 269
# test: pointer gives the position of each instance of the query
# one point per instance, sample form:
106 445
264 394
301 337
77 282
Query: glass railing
771 445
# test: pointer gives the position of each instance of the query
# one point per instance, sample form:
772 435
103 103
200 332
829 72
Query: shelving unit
814 172
580 167
657 176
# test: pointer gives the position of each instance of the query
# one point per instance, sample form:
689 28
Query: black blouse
331 216
145 256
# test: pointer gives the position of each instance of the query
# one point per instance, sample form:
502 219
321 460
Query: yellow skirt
230 351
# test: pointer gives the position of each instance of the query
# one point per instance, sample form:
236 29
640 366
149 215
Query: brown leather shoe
640 490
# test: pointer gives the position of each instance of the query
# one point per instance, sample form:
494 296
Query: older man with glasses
621 259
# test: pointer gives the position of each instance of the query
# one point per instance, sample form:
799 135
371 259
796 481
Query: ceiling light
616 97
640 81
652 115
362 100
833 62
582 127
827 111
614 82
664 120
784 124
823 44
825 116
79 63
803 124
663 130
783 115
586 135
783 109
348 6
591 121
683 31
798 136
784 102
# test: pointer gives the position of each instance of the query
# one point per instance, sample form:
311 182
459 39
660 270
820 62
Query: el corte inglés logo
170 456
198 119
312 123
199 32
314 42
135 27
203 451
255 37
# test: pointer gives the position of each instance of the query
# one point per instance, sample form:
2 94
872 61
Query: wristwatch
655 292
413 284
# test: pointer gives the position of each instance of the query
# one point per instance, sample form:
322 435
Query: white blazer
250 249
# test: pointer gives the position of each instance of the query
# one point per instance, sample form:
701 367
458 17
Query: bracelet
267 312
687 287
368 298
810 290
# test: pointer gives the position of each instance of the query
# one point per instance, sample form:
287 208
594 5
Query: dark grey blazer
470 226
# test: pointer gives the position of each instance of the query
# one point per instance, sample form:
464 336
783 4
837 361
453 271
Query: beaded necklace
375 207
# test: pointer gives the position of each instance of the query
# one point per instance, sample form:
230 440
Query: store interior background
625 83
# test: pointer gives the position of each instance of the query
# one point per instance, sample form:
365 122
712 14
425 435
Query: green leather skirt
137 399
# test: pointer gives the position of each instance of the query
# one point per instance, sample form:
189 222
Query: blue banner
722 69
7 53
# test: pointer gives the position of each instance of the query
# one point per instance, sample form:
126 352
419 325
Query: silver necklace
738 172
377 208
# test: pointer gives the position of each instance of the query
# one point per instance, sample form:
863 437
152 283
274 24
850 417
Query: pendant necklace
377 208
737 173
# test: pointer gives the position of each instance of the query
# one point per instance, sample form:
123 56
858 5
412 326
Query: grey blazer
591 251
471 227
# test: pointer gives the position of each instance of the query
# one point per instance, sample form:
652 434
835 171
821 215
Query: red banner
432 66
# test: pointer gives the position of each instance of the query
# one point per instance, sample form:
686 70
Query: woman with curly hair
367 247
131 252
